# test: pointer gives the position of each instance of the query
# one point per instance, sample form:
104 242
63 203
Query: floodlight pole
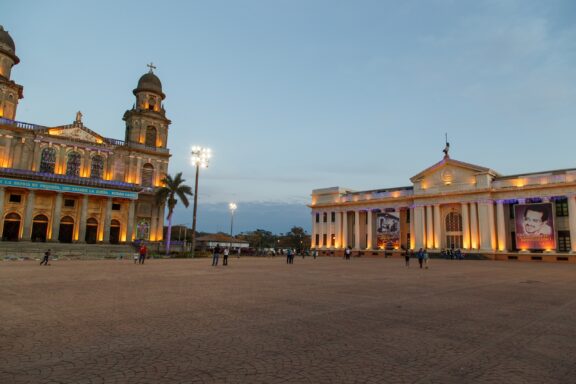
194 211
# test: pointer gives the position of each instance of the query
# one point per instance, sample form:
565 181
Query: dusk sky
296 95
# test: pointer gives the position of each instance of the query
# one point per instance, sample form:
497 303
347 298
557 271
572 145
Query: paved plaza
259 320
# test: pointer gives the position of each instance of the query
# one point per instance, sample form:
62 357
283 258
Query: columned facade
453 204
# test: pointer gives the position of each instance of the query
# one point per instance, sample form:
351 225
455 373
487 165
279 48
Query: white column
474 243
486 225
319 229
572 221
437 227
314 231
328 229
429 228
357 229
501 225
419 234
370 242
412 244
338 229
465 226
344 229
492 226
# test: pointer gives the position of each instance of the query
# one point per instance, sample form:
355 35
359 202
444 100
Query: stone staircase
30 250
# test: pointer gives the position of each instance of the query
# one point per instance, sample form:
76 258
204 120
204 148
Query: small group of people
290 256
452 254
216 255
422 255
423 258
348 253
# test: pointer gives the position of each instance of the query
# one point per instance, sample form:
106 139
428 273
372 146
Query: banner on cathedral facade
534 226
40 185
388 230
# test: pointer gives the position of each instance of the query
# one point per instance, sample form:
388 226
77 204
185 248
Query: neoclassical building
70 184
457 205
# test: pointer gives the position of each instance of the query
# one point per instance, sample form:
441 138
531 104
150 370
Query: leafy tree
167 195
297 238
259 238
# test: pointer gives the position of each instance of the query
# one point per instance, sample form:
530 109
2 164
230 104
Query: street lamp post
232 207
200 159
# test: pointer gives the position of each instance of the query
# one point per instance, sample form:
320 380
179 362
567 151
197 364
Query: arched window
96 167
147 175
454 222
48 160
40 219
73 164
150 136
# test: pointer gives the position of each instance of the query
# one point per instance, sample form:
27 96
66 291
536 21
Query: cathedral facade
451 206
70 184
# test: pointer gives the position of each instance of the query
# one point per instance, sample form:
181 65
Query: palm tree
167 194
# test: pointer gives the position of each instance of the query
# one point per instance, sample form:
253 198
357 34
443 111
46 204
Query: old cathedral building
70 184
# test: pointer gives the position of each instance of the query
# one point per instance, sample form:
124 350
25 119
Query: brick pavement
262 321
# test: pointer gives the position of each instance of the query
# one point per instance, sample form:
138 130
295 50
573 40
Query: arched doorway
66 230
39 228
114 232
11 227
454 230
91 231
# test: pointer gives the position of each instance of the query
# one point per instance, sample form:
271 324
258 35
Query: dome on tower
151 83
7 45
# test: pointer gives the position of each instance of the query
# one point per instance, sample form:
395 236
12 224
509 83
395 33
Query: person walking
289 256
407 257
143 251
314 253
226 253
421 257
426 257
216 255
45 258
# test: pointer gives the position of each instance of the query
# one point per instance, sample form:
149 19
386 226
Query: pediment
451 172
77 132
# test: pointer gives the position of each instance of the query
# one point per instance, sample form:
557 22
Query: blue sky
296 95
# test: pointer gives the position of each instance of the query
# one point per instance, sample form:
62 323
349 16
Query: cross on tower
151 66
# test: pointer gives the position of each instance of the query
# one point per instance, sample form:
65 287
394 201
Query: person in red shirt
143 251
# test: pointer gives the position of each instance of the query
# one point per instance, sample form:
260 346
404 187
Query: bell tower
146 122
10 92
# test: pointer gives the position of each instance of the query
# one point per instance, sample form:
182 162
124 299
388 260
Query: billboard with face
388 230
534 226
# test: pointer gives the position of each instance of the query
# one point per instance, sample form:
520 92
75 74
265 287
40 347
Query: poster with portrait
534 226
388 230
